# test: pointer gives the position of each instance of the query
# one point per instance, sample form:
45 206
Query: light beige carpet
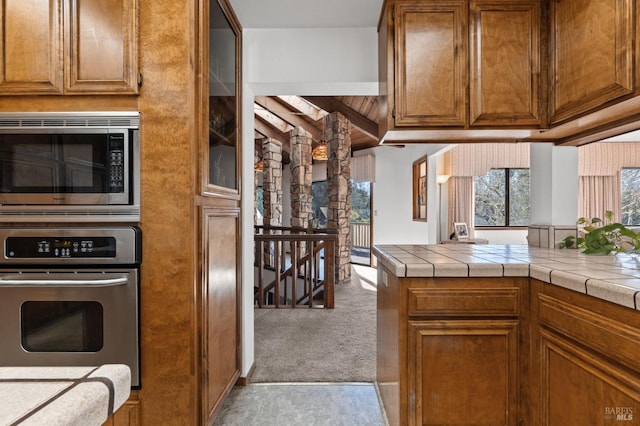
321 345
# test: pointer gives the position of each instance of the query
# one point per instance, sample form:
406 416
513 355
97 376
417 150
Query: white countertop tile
612 292
615 278
569 280
62 396
16 399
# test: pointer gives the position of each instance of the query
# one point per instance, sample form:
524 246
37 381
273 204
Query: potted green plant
603 237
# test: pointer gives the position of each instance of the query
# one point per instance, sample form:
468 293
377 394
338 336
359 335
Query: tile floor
308 404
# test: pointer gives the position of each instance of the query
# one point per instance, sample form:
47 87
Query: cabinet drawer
595 331
502 302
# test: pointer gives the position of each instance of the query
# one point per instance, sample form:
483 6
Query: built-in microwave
69 166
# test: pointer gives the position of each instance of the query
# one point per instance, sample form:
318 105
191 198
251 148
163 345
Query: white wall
247 206
313 61
499 236
554 184
393 192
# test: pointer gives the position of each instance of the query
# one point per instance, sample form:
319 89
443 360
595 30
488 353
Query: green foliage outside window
360 202
630 196
502 198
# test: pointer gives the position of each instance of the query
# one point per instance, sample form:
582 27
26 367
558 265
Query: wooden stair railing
302 262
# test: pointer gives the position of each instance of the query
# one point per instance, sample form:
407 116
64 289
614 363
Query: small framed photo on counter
461 230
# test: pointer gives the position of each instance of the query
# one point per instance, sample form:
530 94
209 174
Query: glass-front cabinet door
224 150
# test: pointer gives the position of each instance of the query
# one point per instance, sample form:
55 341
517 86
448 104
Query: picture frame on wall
460 230
420 189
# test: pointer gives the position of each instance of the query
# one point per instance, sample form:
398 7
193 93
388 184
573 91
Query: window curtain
363 168
461 199
599 166
599 194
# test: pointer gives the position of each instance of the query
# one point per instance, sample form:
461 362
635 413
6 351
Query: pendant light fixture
320 152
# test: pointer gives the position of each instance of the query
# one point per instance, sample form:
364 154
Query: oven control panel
67 247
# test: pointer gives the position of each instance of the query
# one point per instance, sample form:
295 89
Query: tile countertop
615 278
62 396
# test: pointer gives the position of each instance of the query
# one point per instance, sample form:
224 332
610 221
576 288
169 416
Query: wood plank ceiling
276 116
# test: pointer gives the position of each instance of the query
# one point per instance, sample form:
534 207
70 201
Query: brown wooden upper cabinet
431 62
505 63
68 47
461 63
592 56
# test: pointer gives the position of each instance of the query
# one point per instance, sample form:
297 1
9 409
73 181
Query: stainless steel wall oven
69 166
70 296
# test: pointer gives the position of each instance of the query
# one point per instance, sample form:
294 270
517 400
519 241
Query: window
319 203
502 198
630 196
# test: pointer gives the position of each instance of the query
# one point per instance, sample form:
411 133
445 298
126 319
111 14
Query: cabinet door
101 47
591 55
463 372
505 63
221 309
31 47
127 415
580 388
430 74
222 155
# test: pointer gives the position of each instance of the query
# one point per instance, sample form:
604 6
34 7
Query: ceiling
276 116
307 13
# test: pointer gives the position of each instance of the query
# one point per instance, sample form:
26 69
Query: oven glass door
70 318
62 326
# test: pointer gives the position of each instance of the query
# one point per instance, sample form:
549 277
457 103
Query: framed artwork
461 230
420 189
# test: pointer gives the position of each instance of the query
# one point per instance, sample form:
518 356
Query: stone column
271 190
272 182
339 189
300 177
300 157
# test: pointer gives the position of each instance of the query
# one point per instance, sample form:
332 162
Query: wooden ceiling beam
289 116
327 103
265 129
272 119
304 107
269 132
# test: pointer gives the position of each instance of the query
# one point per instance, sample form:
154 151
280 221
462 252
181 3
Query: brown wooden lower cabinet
463 372
449 349
504 351
127 415
589 360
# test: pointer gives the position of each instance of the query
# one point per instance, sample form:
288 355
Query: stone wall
301 207
272 182
339 189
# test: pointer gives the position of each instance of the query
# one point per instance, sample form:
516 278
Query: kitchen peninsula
507 334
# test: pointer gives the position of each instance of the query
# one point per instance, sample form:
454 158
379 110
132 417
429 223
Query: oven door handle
63 283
